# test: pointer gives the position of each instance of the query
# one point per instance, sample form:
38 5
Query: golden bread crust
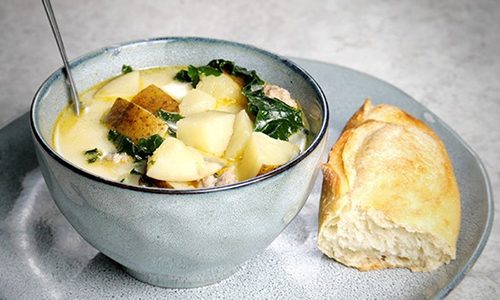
389 163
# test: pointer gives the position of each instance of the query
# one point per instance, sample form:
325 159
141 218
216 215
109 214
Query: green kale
193 74
251 81
123 144
182 76
272 116
169 117
149 145
126 69
92 155
140 151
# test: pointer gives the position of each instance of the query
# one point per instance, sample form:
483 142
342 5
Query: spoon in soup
55 29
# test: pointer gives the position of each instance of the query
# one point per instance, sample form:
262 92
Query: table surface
442 53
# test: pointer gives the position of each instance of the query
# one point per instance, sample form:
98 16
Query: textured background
444 54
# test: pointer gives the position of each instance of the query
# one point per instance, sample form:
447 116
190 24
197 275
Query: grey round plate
42 257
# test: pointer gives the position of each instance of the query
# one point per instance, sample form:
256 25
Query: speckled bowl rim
322 101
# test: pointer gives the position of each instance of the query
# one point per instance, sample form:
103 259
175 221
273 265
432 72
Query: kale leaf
149 145
182 76
126 69
272 116
193 74
168 117
140 151
251 81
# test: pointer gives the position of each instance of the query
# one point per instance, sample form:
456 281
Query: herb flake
92 155
169 117
126 69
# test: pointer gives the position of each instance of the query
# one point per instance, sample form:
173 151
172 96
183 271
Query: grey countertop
445 54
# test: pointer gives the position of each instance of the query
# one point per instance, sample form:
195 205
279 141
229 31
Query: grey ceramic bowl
179 238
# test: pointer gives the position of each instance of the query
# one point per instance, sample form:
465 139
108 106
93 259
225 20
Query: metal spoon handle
53 23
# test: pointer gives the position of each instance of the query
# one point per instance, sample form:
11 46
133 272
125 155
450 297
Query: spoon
52 20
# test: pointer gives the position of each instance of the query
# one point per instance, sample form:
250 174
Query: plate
41 256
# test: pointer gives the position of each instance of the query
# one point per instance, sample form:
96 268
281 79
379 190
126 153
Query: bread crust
388 164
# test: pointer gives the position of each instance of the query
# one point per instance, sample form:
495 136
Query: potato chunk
264 153
124 86
225 90
157 77
208 131
242 131
196 101
153 98
177 90
173 161
134 121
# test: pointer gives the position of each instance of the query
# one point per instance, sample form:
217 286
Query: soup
183 127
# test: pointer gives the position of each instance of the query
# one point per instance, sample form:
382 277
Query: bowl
179 238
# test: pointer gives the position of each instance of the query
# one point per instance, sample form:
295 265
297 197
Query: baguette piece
390 198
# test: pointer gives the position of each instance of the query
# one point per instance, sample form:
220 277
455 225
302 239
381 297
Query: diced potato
134 121
153 98
157 77
263 150
174 161
196 101
208 131
242 131
124 86
177 90
225 90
